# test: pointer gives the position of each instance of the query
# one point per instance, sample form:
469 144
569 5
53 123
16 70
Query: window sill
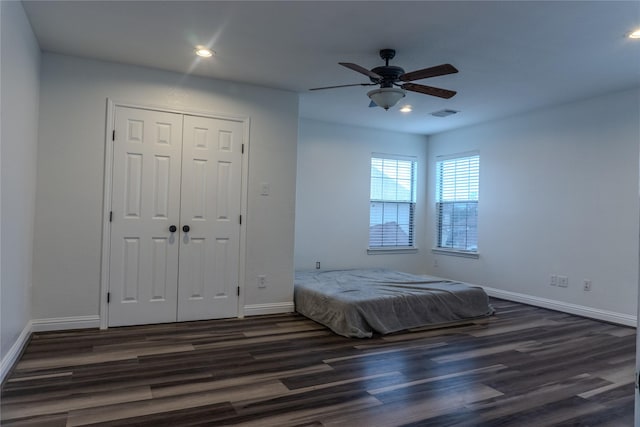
453 252
387 251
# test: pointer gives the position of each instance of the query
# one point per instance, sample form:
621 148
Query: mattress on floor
357 303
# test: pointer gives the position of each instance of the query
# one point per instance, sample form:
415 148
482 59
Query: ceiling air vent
444 113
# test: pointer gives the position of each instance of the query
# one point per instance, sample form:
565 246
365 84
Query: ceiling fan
389 77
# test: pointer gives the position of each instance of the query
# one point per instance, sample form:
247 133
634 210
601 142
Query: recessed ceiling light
406 109
635 34
204 52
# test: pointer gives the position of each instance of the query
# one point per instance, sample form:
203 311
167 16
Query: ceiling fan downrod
387 54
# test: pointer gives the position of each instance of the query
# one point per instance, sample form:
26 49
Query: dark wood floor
523 367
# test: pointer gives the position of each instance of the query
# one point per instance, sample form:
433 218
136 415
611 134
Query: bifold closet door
143 270
210 208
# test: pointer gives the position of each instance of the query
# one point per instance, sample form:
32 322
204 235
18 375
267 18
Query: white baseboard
14 352
272 308
63 323
580 310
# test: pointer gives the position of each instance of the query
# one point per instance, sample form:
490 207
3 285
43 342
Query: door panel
209 252
143 269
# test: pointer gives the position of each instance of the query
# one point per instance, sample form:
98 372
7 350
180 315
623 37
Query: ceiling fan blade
333 87
372 104
362 70
438 70
429 90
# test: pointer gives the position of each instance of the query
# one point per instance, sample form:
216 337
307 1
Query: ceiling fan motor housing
389 73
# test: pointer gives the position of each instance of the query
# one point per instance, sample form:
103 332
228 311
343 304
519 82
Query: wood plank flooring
525 366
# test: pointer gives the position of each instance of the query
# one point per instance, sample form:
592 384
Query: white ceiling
512 56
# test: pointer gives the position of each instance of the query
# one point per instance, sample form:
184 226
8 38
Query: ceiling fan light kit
386 97
390 79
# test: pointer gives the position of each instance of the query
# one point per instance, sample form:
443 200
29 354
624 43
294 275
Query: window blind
457 192
392 202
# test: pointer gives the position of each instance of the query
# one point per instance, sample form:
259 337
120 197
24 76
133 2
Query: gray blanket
356 303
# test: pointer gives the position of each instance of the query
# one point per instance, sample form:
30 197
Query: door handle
173 228
186 228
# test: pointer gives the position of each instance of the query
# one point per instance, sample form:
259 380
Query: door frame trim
107 196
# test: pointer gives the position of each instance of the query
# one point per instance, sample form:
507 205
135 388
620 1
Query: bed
358 303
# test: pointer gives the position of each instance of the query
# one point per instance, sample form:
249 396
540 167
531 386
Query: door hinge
242 149
238 290
108 297
240 219
113 135
110 216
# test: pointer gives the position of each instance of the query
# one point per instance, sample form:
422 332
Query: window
392 202
457 202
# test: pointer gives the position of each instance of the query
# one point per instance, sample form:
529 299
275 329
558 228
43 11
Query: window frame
412 202
448 250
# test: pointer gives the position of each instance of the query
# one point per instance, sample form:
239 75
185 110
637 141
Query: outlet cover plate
563 281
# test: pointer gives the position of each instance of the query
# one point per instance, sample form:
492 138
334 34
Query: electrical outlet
317 265
553 280
435 262
587 285
563 281
262 281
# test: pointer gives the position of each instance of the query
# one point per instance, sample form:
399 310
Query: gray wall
558 195
20 65
69 199
332 201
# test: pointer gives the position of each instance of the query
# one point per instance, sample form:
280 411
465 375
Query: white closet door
143 271
210 207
